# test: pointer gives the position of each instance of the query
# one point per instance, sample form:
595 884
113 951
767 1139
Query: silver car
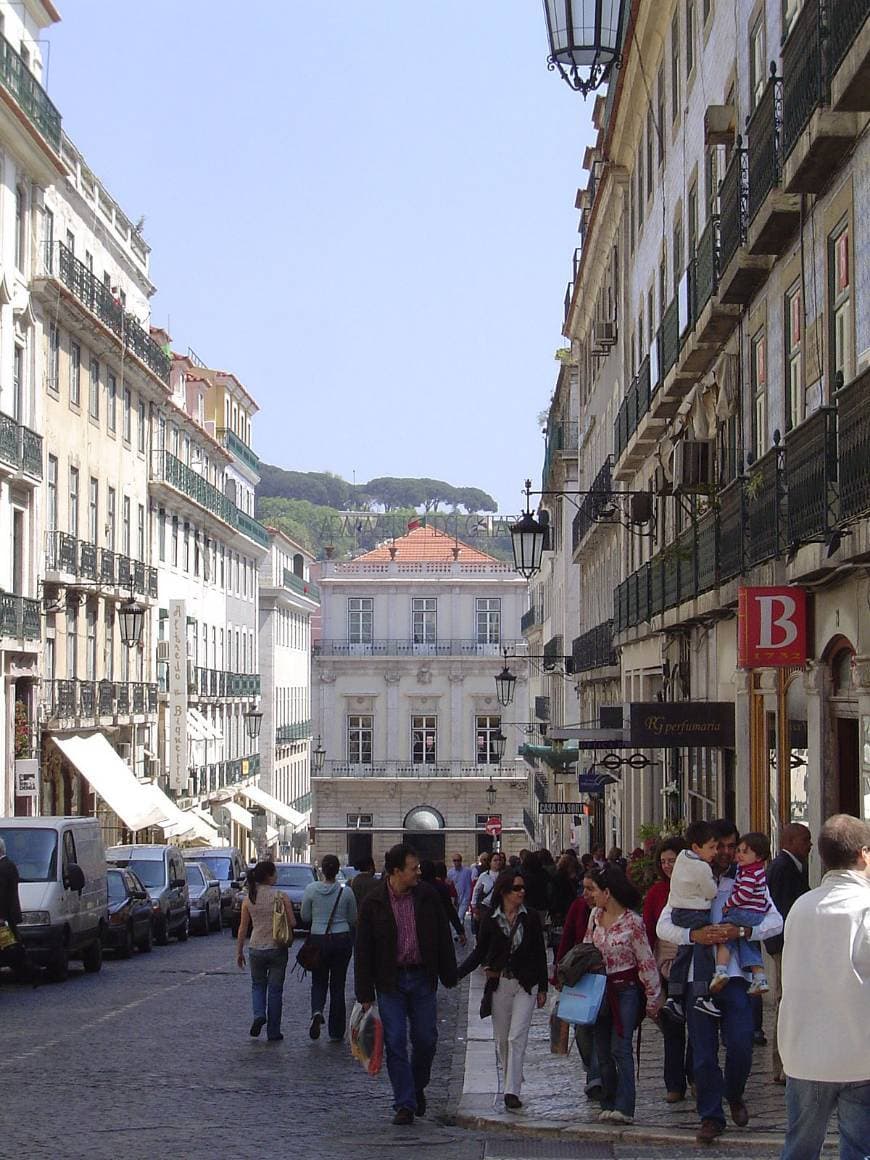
205 898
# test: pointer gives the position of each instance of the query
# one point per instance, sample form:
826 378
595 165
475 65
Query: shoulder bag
308 956
282 931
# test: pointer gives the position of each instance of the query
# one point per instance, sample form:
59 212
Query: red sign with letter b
771 627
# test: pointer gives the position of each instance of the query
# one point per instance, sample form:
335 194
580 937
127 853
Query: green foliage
391 493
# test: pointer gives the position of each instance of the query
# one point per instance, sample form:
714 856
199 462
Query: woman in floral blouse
632 975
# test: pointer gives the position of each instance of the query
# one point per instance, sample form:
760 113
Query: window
423 740
20 226
175 541
72 641
840 292
185 561
53 372
789 11
111 401
359 620
47 237
692 223
51 514
161 534
486 728
488 619
125 526
73 521
94 389
93 508
141 430
794 371
75 374
650 132
759 394
675 65
757 66
660 111
111 512
108 643
91 644
640 185
18 382
677 254
690 36
140 532
127 407
424 616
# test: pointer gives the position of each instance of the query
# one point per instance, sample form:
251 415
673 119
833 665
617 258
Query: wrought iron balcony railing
402 769
593 505
301 585
171 470
845 20
20 447
19 617
706 265
733 195
20 82
670 332
69 556
803 72
297 731
764 131
594 649
399 648
527 620
238 447
764 490
853 444
811 476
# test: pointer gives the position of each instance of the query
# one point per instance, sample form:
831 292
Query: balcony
815 139
20 448
251 528
97 299
406 769
765 494
169 469
301 585
89 700
238 448
594 649
849 54
740 273
19 617
17 79
553 652
593 505
410 648
298 731
221 684
811 477
853 435
774 215
68 558
670 343
529 619
732 529
561 439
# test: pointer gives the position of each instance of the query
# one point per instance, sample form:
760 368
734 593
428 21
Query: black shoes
421 1103
403 1117
512 1103
315 1025
275 1038
257 1026
739 1113
709 1131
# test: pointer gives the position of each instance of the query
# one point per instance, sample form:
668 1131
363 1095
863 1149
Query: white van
63 890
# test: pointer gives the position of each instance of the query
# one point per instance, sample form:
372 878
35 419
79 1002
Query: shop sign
176 728
560 807
771 627
682 724
26 773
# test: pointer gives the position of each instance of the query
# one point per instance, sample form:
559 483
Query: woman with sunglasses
511 947
632 975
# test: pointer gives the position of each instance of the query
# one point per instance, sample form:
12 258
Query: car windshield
149 871
34 853
220 867
295 875
117 886
194 876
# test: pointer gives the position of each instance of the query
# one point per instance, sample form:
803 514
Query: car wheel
92 959
58 965
126 948
148 941
216 925
161 931
183 931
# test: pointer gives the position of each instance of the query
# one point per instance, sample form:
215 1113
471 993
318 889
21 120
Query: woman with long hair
632 976
268 959
678 1056
330 912
510 946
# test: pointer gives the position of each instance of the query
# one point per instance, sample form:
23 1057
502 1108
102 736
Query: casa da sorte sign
771 627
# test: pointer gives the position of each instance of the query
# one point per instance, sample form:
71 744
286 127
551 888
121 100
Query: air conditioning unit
605 333
694 465
163 650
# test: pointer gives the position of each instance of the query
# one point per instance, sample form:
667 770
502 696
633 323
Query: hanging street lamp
490 792
131 620
253 721
499 741
505 685
318 756
528 540
584 38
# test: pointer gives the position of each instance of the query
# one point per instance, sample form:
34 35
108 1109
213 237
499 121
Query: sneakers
607 1114
719 980
314 1031
257 1026
673 1009
708 1007
512 1103
758 986
618 1117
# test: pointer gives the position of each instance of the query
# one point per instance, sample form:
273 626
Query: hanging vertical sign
176 724
771 627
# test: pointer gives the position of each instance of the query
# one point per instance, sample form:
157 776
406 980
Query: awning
206 829
272 804
240 815
176 823
204 817
194 731
556 756
204 726
110 776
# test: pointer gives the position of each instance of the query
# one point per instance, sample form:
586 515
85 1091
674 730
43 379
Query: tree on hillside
475 500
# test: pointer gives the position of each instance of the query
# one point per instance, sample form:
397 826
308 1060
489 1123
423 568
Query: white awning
176 823
206 829
203 816
305 823
204 726
240 814
111 777
272 804
194 731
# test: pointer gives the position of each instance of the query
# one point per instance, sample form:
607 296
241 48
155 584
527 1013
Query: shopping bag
560 1035
367 1038
581 1002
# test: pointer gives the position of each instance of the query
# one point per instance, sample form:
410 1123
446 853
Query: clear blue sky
364 210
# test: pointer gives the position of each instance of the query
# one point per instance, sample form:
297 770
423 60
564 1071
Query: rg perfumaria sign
771 627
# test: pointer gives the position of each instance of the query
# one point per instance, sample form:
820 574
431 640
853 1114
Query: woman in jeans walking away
619 935
330 913
268 959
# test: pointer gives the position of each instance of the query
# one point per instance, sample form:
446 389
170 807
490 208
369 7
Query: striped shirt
407 946
750 888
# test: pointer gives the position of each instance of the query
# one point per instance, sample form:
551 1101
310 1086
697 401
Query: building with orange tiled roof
403 699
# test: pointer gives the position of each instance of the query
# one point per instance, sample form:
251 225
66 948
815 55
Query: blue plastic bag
582 1002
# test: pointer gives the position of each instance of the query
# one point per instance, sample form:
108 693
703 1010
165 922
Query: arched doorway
424 833
839 656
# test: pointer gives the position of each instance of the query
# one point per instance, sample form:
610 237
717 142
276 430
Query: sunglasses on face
516 886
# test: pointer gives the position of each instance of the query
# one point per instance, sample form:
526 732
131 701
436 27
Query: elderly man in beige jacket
824 1016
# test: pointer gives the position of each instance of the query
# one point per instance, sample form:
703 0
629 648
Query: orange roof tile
425 544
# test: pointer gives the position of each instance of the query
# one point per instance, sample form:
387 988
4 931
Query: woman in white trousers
510 946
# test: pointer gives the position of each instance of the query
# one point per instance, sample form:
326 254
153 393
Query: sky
363 210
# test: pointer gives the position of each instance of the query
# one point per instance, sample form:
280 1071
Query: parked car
293 877
228 866
130 914
160 869
64 897
205 897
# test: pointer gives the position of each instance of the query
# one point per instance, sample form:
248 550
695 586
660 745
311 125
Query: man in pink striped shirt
746 907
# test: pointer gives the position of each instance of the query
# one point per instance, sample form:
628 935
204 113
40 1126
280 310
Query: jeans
614 1052
748 953
335 952
809 1104
412 1003
268 968
512 1010
678 1054
701 956
737 1025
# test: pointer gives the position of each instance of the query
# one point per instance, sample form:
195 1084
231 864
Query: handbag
308 955
560 1035
581 1002
282 931
486 1001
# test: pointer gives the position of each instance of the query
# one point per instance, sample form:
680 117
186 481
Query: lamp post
253 721
490 793
318 756
528 539
505 686
584 35
131 621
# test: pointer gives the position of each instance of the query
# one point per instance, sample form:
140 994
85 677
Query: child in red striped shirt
747 905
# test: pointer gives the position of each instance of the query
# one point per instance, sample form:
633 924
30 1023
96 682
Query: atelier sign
771 627
176 724
679 724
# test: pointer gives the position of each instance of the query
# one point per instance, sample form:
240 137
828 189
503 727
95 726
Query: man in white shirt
737 1020
824 1015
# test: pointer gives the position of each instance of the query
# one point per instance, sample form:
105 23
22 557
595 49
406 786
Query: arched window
299 565
424 818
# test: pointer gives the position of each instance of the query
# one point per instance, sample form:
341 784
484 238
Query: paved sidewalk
555 1104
